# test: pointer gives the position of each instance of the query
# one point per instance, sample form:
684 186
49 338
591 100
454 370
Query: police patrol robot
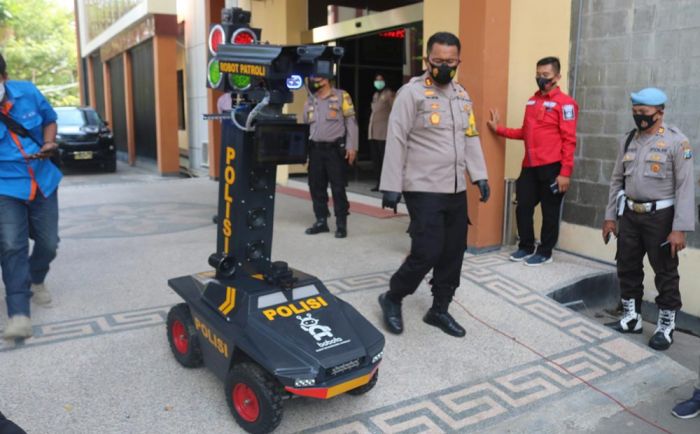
270 332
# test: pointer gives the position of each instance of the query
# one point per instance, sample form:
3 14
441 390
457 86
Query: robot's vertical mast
256 135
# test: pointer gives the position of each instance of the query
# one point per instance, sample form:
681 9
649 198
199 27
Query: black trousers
531 188
438 232
377 148
327 164
641 234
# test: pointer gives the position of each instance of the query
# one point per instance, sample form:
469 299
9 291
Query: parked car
84 139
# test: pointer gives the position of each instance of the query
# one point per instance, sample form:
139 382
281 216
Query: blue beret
648 96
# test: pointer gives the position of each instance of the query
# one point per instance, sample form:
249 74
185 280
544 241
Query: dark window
144 98
99 83
181 100
116 68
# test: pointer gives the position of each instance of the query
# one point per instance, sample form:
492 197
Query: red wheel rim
246 402
180 338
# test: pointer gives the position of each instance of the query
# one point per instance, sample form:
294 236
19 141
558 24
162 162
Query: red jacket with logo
549 130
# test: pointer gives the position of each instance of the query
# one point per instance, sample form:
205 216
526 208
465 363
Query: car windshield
77 118
72 118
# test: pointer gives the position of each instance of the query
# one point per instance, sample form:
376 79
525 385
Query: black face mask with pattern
315 86
442 74
644 122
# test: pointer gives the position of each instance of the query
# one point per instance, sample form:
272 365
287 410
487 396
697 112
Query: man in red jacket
549 132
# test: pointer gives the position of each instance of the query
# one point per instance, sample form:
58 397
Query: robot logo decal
310 324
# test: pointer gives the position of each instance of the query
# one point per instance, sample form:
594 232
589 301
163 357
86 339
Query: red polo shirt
549 130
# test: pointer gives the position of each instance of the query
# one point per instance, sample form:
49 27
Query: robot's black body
269 331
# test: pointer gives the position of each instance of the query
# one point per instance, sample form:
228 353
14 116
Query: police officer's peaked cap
649 96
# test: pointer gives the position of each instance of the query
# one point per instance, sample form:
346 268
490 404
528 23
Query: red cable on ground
534 351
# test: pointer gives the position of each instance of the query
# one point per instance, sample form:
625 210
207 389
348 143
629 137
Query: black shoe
341 224
319 226
445 322
392 315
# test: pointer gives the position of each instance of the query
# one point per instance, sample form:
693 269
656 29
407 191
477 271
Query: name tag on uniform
568 112
550 104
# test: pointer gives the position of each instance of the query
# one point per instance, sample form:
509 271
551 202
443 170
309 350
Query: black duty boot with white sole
631 321
663 336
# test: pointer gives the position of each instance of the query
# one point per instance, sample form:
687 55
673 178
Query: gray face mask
2 90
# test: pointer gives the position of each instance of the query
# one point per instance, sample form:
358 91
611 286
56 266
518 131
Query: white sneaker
41 296
18 327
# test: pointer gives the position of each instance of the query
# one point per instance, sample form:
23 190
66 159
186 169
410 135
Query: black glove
483 189
391 199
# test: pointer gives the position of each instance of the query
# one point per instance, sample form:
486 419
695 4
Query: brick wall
623 46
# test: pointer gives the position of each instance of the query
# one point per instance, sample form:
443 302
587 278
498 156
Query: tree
37 40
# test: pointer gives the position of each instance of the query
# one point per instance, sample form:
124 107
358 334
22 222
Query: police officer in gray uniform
432 141
331 116
652 193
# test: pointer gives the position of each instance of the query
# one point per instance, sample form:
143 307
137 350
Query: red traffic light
244 36
216 36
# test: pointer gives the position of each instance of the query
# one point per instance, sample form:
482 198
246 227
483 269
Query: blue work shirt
20 177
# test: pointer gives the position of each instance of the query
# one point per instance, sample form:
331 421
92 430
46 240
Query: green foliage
37 40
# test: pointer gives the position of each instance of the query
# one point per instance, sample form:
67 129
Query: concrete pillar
212 14
484 30
165 64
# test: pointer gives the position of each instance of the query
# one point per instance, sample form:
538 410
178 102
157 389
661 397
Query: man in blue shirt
28 198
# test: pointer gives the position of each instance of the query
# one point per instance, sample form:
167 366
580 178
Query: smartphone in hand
554 187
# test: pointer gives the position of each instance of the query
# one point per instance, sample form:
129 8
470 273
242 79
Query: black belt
326 145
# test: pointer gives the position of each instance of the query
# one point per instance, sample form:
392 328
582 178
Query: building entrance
394 53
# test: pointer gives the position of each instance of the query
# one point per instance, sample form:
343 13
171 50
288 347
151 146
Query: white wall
196 91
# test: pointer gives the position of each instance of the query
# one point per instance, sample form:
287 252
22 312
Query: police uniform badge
687 150
568 111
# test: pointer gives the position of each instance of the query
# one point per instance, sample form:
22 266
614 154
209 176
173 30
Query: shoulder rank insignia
471 129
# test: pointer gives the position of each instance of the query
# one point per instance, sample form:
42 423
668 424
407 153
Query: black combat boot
341 224
392 314
439 317
321 225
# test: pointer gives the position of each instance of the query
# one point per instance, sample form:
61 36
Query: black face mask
543 82
315 86
442 74
644 122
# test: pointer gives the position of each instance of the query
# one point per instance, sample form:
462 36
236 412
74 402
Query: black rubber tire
192 356
367 387
110 166
267 391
